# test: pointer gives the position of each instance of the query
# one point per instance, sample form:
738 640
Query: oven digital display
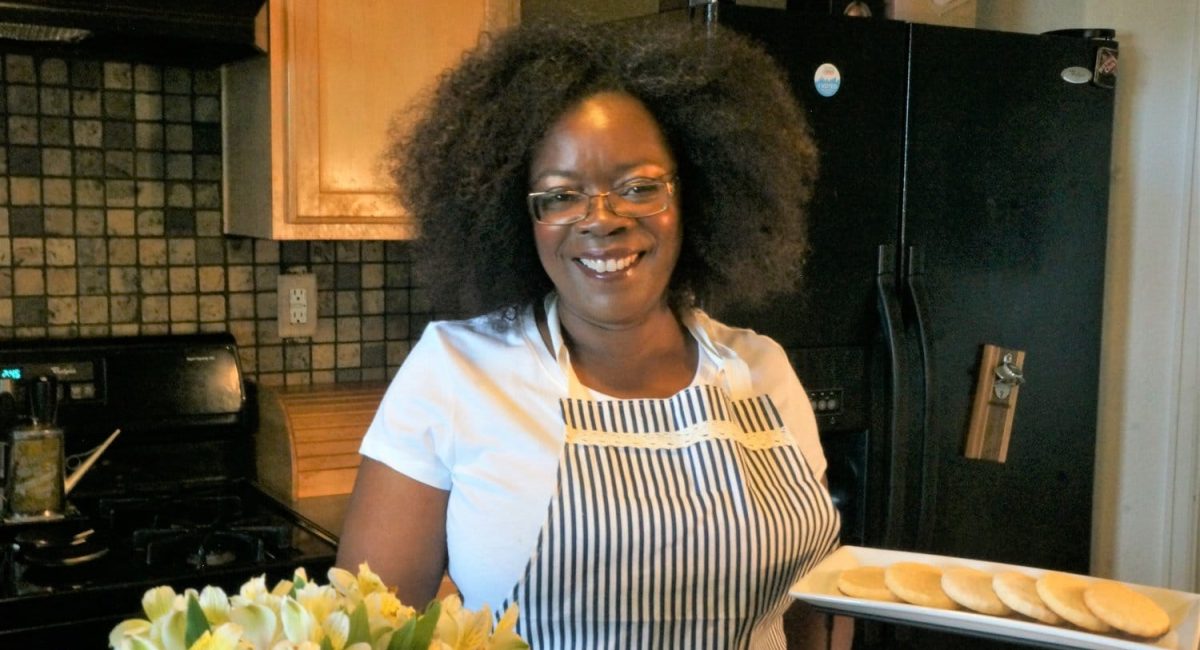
10 373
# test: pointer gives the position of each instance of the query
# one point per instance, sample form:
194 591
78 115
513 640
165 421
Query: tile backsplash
110 225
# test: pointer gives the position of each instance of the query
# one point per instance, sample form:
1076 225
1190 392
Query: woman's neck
654 356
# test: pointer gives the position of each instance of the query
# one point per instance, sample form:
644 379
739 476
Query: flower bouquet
350 613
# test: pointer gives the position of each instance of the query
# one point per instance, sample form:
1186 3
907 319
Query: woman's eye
560 199
639 191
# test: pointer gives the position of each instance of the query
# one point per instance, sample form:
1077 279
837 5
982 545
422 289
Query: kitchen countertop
324 511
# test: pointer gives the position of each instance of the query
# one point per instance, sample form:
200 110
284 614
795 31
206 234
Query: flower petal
258 623
126 628
298 624
158 601
215 604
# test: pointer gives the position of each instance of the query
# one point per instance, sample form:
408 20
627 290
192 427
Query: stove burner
60 546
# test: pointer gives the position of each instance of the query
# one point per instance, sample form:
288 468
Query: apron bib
676 523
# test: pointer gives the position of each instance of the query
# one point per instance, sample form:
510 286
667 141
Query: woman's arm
398 526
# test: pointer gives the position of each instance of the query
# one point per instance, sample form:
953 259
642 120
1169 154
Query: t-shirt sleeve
412 430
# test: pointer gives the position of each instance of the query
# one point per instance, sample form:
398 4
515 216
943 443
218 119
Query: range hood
185 32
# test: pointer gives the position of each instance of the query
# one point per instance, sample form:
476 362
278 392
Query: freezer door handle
891 318
929 449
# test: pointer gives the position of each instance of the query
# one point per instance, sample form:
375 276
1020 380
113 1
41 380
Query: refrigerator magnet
827 80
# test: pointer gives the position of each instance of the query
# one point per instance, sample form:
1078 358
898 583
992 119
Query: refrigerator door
855 107
1007 203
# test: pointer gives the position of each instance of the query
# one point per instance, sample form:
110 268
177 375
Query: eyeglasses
636 200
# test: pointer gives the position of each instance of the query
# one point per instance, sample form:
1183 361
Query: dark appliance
171 501
962 202
176 32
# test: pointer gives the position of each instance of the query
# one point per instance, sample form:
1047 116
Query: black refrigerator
962 202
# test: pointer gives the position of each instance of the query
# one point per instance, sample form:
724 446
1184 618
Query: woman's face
605 141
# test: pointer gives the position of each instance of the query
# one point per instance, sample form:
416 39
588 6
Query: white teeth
609 265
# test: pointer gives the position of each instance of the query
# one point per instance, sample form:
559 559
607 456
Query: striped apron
675 523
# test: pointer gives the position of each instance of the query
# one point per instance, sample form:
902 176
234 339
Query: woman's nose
600 219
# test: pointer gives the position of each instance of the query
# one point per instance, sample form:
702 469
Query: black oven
170 502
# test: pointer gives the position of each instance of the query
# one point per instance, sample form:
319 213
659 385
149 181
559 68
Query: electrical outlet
297 305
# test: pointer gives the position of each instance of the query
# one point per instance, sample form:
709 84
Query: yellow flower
258 623
224 637
505 637
384 609
462 629
215 604
157 602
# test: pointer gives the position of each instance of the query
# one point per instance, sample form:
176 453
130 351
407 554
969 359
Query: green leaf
360 626
197 623
326 644
426 624
402 639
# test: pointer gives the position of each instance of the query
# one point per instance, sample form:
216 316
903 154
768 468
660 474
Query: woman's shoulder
486 334
747 343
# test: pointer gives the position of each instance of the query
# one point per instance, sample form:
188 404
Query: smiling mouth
609 265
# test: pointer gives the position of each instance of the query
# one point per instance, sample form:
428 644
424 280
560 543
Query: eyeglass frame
670 179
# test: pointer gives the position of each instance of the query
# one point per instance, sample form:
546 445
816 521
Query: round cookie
1126 609
1019 592
865 582
917 583
1064 594
972 589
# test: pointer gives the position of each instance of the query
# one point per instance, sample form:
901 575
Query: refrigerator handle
896 442
929 449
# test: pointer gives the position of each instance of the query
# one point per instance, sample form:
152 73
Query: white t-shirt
475 410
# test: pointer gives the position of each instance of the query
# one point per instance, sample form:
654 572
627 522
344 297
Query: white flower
353 612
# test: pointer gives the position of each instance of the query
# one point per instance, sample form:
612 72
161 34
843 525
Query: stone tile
118 104
30 312
181 250
155 309
297 356
56 131
123 279
28 251
6 282
149 165
177 80
152 252
60 221
349 329
61 282
180 166
118 75
180 195
150 194
183 308
347 303
179 137
53 72
211 279
89 221
183 279
212 308
149 136
93 309
241 305
122 250
121 222
93 280
62 311
55 101
210 250
29 282
209 223
57 191
128 329
153 280
372 302
349 355
265 305
147 106
372 328
60 252
241 278
57 162
25 191
19 68
323 357
270 358
150 222
123 309
6 313
119 193
147 77
22 99
88 133
22 129
91 251
85 103
27 222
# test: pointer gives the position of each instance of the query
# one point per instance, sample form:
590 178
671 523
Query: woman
593 447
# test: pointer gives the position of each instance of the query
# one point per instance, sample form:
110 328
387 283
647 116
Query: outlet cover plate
297 313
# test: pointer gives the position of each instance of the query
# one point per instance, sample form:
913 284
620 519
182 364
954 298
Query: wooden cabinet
306 126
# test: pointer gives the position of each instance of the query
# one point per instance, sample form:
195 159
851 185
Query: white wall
1147 455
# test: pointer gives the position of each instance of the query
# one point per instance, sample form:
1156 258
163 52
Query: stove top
171 502
95 564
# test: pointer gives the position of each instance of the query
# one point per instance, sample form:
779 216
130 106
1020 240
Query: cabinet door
351 67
